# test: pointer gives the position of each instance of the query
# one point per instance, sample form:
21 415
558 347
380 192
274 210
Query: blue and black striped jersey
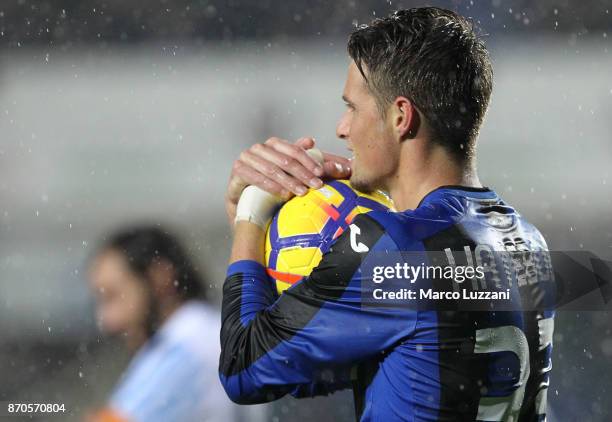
415 360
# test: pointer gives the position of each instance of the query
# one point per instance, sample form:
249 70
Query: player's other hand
281 168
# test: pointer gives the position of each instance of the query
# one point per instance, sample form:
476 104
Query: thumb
336 169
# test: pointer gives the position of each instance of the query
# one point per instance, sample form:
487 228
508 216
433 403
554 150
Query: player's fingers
305 143
288 164
257 179
267 167
299 155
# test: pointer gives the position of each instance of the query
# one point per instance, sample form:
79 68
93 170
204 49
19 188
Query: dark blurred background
124 111
70 22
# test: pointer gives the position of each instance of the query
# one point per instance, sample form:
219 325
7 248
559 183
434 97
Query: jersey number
511 339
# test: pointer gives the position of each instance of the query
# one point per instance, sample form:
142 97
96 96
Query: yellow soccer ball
305 227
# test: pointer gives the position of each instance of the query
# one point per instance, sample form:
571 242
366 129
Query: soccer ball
305 227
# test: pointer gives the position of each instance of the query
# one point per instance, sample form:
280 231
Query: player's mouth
352 157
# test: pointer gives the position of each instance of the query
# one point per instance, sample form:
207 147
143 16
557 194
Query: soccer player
149 293
417 90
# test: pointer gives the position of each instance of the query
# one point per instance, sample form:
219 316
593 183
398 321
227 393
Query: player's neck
168 307
433 169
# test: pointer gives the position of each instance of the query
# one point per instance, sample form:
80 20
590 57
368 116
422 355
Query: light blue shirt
174 376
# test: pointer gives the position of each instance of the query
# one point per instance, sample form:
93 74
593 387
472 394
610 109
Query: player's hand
281 168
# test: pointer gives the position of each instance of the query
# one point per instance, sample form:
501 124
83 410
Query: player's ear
405 118
162 276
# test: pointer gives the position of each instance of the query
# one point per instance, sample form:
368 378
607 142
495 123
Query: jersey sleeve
314 331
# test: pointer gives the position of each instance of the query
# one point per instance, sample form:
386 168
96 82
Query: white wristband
257 206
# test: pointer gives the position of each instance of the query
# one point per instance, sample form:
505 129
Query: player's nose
342 127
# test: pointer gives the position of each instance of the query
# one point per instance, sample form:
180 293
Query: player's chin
361 183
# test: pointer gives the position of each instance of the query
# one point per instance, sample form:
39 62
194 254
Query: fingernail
339 167
315 183
301 190
318 171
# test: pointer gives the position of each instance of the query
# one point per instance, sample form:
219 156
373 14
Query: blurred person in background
150 294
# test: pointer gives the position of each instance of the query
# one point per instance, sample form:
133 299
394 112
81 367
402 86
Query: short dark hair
433 57
142 246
